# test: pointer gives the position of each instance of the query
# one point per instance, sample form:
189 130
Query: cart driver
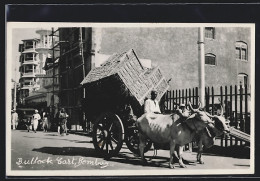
152 105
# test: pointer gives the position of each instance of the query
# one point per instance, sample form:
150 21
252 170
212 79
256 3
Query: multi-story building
32 60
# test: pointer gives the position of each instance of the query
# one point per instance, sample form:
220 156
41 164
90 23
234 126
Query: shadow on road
230 151
69 151
58 138
157 161
124 157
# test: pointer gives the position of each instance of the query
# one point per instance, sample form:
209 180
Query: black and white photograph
118 99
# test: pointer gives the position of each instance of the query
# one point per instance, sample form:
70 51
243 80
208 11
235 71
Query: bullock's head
201 115
202 119
220 123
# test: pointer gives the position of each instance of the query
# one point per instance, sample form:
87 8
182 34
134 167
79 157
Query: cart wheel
108 134
132 142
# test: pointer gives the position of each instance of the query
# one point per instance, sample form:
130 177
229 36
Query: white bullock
170 129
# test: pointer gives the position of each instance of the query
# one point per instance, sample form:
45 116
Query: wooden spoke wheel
108 134
132 141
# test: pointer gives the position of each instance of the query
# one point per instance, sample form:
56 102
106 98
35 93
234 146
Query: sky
18 35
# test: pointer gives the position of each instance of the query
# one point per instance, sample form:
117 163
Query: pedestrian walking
36 118
63 121
14 119
45 122
29 124
57 121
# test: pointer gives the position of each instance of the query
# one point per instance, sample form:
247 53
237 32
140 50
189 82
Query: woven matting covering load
126 68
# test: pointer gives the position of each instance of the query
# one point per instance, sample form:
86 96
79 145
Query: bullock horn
209 115
227 121
199 106
195 110
222 110
191 107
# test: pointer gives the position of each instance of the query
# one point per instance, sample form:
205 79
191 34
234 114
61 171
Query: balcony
30 61
25 86
28 47
43 45
28 74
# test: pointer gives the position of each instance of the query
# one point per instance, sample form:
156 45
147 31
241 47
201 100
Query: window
210 59
21 47
242 80
210 32
28 45
241 51
29 56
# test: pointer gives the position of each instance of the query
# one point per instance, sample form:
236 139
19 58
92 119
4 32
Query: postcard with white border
121 99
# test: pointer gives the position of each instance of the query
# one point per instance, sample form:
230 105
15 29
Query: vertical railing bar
180 97
197 97
241 110
172 100
186 96
193 97
189 95
226 113
206 99
213 107
231 113
221 102
236 121
246 112
176 97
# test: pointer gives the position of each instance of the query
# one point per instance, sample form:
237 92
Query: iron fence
235 101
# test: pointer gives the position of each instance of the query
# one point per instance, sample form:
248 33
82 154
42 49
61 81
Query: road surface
50 151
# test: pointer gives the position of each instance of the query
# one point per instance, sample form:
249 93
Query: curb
80 133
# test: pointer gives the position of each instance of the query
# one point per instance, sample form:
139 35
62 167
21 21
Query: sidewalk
80 132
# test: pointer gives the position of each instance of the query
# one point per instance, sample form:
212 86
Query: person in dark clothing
63 121
57 121
28 123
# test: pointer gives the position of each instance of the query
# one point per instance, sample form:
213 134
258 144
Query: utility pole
53 71
201 65
14 89
14 95
83 70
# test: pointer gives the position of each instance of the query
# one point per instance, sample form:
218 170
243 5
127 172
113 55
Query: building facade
76 50
175 50
51 84
32 60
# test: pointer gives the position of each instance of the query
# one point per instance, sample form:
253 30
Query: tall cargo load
122 79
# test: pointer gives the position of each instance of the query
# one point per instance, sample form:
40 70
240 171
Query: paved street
50 151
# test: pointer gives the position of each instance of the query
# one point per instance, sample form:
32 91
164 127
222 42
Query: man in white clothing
14 118
152 105
36 118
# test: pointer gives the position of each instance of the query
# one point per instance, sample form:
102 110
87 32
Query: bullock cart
114 96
